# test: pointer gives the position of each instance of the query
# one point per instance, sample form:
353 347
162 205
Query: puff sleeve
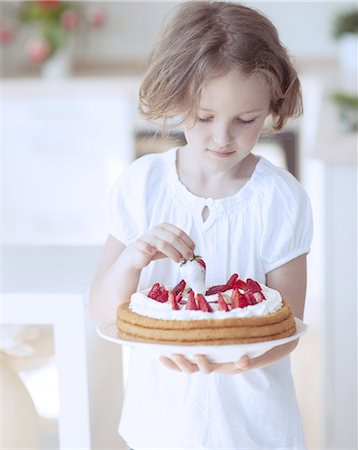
287 222
128 203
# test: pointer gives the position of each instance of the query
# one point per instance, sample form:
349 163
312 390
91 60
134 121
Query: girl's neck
206 183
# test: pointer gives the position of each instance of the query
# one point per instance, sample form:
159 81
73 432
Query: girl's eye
240 121
245 122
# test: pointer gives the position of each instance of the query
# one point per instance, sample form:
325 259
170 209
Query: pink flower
48 4
38 50
69 19
96 17
6 34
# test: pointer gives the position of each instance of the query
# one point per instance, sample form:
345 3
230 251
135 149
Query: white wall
305 28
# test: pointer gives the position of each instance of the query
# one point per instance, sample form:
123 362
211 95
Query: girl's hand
161 241
203 364
244 364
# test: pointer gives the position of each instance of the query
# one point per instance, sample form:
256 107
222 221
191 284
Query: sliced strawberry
222 305
173 301
179 297
191 303
179 287
259 296
250 298
242 301
231 281
235 299
216 289
253 285
163 297
203 304
240 284
158 293
155 291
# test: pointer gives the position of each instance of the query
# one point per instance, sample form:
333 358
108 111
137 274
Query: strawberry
163 297
203 304
235 299
173 301
223 287
193 272
259 297
179 287
222 305
250 298
231 281
240 284
216 289
253 286
242 301
191 303
155 291
158 293
239 300
200 260
179 297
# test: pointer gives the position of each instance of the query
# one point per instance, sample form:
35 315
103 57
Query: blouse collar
196 203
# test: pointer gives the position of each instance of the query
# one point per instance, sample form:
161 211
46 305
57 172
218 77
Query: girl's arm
119 267
290 281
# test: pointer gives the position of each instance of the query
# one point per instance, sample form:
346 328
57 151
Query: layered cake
237 312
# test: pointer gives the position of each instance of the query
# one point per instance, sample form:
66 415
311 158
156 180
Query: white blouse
267 223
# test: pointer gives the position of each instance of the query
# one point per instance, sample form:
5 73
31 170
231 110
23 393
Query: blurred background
70 75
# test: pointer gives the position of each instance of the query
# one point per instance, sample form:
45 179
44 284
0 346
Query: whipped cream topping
145 306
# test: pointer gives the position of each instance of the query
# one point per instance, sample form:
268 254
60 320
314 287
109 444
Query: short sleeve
288 228
121 224
126 206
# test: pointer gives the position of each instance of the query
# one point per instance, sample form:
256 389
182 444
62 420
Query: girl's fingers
168 363
175 238
184 364
179 232
162 247
204 364
178 363
169 241
161 241
243 363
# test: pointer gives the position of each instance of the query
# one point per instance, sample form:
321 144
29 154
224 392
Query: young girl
220 70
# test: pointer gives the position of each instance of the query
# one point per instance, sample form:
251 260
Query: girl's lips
221 154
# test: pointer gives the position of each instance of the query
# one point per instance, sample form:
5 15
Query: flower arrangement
57 23
345 31
347 105
345 23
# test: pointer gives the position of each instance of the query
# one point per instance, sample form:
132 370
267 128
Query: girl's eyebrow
239 114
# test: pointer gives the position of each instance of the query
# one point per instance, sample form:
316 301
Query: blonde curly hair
205 40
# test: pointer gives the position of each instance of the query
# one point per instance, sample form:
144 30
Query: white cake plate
216 353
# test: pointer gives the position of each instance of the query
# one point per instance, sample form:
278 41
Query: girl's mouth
224 154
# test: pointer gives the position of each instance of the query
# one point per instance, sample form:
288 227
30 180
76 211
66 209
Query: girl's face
232 111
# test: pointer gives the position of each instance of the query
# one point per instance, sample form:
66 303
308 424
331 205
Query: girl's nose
222 136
